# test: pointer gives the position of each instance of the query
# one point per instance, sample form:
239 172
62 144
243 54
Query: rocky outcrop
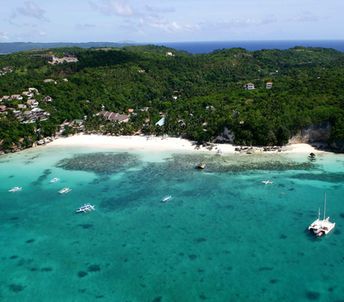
319 136
337 146
313 134
227 136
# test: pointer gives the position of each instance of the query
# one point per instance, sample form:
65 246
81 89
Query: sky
169 21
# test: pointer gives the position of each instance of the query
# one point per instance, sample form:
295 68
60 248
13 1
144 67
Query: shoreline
164 144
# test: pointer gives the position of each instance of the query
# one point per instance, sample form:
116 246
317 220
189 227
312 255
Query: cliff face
313 134
318 135
337 146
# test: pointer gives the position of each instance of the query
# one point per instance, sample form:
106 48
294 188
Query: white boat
55 179
15 189
65 190
166 198
267 182
320 227
86 208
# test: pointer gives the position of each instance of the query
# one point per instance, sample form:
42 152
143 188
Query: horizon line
167 42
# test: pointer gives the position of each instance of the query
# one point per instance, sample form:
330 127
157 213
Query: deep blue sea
191 47
224 236
206 47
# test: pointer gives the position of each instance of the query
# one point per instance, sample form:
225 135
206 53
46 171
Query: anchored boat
320 227
55 179
267 182
15 189
65 190
85 208
166 198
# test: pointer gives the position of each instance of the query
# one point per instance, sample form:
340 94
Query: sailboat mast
325 207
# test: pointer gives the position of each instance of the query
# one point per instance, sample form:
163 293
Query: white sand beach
158 144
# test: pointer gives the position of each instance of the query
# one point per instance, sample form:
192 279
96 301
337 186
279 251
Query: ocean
207 47
191 47
224 235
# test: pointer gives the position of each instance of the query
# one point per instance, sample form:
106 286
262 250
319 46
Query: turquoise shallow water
223 237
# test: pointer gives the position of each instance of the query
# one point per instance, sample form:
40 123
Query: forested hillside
199 95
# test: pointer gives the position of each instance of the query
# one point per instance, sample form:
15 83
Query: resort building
249 86
268 85
161 122
49 81
66 59
169 54
32 103
16 97
48 99
114 117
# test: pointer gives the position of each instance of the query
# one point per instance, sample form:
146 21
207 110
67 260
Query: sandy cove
159 144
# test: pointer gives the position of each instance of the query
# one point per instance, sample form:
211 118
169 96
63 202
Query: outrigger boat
55 179
166 198
65 190
85 208
267 182
15 189
320 227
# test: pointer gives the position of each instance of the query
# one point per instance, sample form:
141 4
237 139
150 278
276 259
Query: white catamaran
321 227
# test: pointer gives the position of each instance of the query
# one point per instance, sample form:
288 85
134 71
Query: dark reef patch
192 257
30 241
82 274
265 268
94 268
157 299
126 199
86 226
42 178
200 240
13 257
99 163
311 295
16 288
46 269
235 163
326 177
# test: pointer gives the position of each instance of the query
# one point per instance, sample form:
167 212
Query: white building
249 86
